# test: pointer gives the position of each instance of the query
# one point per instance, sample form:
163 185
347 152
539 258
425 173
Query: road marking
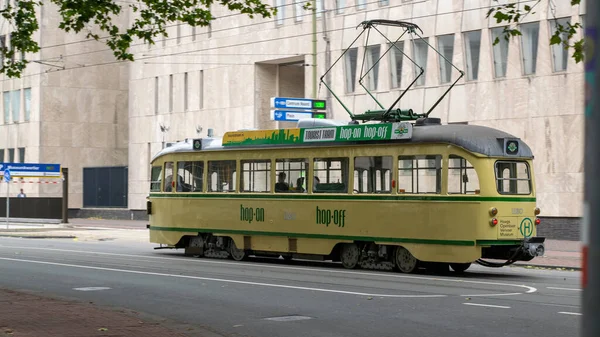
569 289
200 261
91 288
570 313
272 285
288 318
487 305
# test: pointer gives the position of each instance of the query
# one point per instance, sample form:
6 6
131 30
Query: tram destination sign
22 170
336 134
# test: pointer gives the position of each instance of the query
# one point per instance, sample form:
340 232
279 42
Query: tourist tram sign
345 133
28 170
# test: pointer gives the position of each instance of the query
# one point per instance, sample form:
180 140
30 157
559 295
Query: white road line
570 313
272 285
202 261
568 289
91 288
487 305
485 295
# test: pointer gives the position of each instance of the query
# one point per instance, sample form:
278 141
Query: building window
319 7
179 33
420 57
156 95
472 48
6 97
193 33
500 51
21 155
350 68
185 91
256 176
171 93
446 47
529 46
27 103
201 90
373 66
560 55
384 2
11 155
280 4
298 10
339 6
2 45
15 103
361 4
1 155
396 63
373 174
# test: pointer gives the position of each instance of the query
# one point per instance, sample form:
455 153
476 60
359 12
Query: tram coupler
533 246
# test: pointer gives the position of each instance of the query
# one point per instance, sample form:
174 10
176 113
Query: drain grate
288 318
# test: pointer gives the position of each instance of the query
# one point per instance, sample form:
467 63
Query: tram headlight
536 211
494 222
493 211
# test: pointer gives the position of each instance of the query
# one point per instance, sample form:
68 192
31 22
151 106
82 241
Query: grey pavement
274 298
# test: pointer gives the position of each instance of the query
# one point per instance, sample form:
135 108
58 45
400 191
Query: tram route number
327 217
249 214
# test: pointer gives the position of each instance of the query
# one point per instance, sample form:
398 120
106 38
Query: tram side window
168 186
189 176
513 177
291 175
420 174
330 175
155 178
256 176
372 174
462 177
221 176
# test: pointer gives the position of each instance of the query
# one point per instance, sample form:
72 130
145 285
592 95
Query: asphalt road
273 298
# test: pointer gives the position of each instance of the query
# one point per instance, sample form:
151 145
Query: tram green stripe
316 236
336 197
498 242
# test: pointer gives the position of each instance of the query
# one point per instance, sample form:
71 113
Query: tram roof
474 138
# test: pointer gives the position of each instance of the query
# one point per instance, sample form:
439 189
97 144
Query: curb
38 236
551 267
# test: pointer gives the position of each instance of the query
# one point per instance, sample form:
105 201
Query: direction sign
32 170
297 103
289 116
6 175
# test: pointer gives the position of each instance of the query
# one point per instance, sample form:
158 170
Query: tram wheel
349 255
405 261
235 253
459 267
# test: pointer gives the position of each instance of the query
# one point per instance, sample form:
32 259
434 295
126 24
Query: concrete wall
238 57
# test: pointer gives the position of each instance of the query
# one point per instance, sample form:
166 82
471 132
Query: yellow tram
382 195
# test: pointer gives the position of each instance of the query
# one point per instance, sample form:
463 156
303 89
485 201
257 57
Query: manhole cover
288 318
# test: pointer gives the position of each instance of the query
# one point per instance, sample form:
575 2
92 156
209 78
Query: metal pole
591 213
7 202
314 47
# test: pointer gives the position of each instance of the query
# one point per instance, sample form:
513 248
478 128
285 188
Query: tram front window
513 177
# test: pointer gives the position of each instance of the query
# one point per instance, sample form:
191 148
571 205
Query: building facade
69 107
223 77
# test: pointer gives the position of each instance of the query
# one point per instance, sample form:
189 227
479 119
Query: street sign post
298 103
289 115
7 178
590 325
32 170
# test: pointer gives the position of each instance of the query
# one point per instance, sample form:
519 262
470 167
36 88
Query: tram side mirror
465 178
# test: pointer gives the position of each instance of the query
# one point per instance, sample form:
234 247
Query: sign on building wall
28 170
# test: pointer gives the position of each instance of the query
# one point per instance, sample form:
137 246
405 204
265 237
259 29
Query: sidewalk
27 315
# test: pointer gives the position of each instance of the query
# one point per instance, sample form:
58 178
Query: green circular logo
526 227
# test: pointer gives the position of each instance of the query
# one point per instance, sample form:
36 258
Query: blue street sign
32 170
6 175
289 116
297 103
